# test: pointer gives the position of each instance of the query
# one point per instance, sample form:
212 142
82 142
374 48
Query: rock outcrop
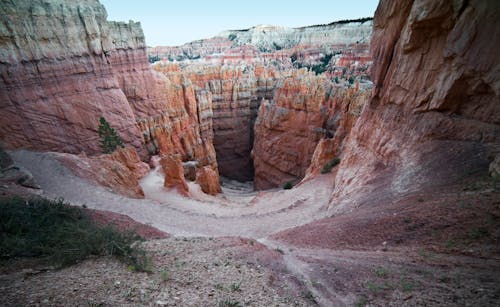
12 174
305 109
174 174
435 113
64 66
268 37
119 171
228 98
57 76
208 179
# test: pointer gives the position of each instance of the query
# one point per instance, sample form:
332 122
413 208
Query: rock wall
435 114
57 79
267 37
63 66
232 95
305 108
119 171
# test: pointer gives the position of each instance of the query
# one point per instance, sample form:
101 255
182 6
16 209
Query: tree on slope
108 137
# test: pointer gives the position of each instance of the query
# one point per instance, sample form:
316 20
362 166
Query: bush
108 137
62 234
327 167
288 185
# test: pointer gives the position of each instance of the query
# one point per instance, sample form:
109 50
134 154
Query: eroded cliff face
435 113
57 79
63 66
304 110
232 95
270 37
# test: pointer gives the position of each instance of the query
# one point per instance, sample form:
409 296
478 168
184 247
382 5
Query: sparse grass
164 274
380 272
408 285
450 244
327 167
424 254
63 234
478 233
219 287
230 303
236 287
373 287
308 295
288 185
361 302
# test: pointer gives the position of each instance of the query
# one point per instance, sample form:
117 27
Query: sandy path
237 214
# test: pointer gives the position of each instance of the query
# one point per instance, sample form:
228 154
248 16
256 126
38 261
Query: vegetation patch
109 139
327 167
288 185
63 234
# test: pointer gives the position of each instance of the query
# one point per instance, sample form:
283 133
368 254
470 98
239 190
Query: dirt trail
327 270
245 215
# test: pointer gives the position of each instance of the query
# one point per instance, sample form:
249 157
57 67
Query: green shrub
288 185
327 167
108 137
62 234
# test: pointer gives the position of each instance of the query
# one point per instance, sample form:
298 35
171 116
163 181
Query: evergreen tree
108 137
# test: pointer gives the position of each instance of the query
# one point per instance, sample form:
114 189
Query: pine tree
109 139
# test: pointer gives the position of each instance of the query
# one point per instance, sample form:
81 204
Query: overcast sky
175 22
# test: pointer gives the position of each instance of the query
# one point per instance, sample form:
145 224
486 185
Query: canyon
386 131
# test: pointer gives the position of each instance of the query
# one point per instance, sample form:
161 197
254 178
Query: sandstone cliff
305 109
435 113
231 95
267 37
57 77
64 66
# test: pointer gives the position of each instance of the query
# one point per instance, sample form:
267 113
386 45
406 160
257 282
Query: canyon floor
277 247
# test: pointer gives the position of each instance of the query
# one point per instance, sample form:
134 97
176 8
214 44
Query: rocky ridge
437 124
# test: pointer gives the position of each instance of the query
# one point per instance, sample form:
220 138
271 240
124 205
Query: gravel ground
186 272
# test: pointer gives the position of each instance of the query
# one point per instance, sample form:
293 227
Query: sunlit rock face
435 113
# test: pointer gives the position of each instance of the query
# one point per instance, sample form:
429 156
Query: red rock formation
305 109
57 79
74 67
129 157
174 174
346 106
228 97
208 179
435 113
119 171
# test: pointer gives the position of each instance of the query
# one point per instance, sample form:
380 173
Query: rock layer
119 171
304 109
64 66
435 116
57 79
